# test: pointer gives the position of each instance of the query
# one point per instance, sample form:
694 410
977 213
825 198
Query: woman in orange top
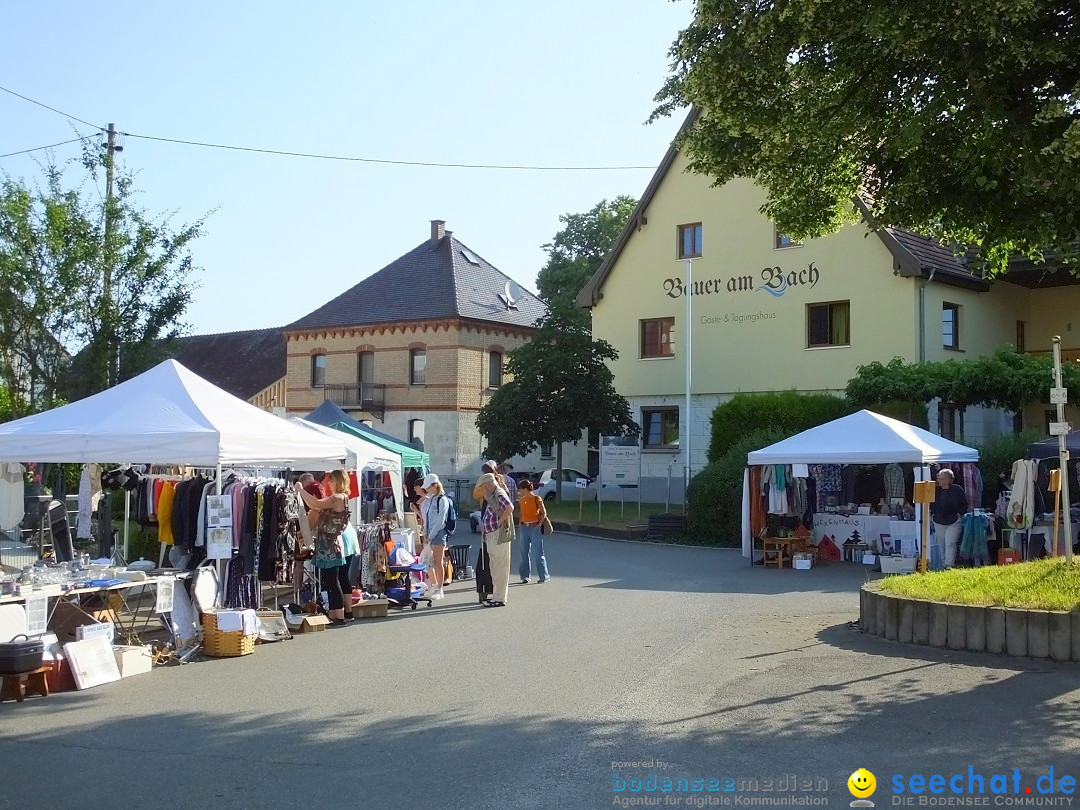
533 513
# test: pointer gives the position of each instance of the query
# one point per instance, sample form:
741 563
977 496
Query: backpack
451 516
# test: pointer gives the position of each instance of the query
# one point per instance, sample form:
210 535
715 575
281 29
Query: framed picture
886 544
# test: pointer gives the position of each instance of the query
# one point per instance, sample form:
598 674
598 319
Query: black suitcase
17 657
483 573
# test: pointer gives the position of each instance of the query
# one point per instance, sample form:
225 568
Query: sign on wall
620 460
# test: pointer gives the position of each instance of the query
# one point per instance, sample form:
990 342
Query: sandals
493 603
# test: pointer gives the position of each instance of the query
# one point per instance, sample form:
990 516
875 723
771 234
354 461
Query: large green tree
560 386
102 281
577 250
953 118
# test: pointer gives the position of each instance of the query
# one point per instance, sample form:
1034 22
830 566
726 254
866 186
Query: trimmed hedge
715 495
786 411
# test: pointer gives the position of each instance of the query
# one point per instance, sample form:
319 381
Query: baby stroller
400 591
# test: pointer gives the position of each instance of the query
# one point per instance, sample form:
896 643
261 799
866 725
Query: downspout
922 315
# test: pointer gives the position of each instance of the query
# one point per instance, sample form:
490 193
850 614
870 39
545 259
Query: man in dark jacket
949 506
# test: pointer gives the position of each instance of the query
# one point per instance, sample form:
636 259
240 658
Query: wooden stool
15 689
773 552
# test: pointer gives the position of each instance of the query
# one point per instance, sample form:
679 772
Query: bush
715 495
997 456
787 411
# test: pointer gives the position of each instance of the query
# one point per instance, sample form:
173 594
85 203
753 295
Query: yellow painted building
767 314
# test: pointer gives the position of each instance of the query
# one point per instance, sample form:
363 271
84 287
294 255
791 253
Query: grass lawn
567 512
1042 585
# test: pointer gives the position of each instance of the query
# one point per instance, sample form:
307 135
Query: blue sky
554 83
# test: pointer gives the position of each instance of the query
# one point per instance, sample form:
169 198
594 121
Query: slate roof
242 363
430 282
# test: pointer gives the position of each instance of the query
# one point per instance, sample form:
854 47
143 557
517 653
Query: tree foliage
560 386
957 119
1004 379
578 250
55 256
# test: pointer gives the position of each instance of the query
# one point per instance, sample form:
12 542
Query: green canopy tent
410 456
330 414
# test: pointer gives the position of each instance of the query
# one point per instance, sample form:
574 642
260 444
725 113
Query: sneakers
524 581
437 594
542 581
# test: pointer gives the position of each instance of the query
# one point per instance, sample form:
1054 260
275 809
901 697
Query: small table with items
778 550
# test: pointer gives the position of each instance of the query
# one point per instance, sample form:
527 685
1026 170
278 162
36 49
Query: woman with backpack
436 511
533 515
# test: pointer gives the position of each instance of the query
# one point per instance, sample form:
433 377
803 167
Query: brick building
416 349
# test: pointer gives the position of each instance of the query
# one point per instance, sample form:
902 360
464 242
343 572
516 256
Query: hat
487 478
430 480
490 465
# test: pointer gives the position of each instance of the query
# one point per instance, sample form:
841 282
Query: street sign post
1059 393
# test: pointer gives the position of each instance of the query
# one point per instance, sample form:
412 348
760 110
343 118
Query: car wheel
549 497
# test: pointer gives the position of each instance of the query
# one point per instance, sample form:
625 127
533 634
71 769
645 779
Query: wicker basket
218 644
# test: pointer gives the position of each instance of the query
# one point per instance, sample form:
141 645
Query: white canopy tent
364 455
861 438
167 415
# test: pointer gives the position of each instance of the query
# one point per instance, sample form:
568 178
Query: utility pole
107 309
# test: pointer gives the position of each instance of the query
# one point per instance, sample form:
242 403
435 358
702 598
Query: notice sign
620 460
164 602
37 615
219 511
219 543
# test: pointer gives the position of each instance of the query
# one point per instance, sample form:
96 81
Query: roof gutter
922 315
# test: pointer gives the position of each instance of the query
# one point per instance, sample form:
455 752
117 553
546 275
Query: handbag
506 533
545 522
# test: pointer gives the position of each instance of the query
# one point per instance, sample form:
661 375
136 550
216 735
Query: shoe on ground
542 581
524 581
438 594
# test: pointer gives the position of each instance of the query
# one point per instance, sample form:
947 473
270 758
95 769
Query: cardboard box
371 609
133 660
310 624
66 618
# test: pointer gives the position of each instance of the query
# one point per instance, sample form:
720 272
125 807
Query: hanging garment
89 497
1021 509
894 481
973 544
12 500
164 512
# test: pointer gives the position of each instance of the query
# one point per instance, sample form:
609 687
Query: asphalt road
687 660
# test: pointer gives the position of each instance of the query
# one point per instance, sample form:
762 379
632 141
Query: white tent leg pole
127 518
220 564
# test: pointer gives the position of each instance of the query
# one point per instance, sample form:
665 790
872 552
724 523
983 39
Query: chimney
438 230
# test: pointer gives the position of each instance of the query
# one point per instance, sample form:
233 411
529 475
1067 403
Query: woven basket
218 644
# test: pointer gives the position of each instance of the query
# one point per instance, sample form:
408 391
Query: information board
620 460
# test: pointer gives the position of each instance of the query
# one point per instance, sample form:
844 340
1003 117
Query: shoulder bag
545 522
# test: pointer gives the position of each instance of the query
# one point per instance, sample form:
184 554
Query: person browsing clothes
949 505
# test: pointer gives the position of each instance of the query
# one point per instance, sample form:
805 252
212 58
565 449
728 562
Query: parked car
568 491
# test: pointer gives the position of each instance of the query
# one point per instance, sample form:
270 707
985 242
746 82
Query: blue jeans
530 537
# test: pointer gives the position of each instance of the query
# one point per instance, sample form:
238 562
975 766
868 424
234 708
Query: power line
50 146
349 159
315 156
52 109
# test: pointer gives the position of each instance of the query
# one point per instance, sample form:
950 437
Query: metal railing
370 397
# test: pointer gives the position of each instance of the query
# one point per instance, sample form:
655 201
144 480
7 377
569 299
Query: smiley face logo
862 784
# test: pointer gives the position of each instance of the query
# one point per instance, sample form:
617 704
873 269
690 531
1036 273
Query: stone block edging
1036 634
